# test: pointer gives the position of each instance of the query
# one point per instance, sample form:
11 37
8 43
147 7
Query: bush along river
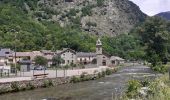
105 88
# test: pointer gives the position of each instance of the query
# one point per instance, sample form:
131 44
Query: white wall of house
5 69
5 60
68 57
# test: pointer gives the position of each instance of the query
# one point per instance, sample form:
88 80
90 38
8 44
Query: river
101 89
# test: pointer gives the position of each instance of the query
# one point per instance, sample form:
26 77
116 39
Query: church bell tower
99 53
99 47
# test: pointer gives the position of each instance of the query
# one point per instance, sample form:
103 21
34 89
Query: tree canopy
154 35
57 60
40 61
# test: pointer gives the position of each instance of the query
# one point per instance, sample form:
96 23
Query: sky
152 7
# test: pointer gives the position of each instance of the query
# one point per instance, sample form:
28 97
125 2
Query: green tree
154 36
40 61
100 2
57 60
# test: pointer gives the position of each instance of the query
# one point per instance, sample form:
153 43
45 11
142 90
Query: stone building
103 59
68 55
100 58
86 57
6 56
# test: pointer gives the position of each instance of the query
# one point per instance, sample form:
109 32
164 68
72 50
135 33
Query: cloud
152 7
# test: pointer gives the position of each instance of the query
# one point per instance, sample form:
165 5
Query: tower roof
98 42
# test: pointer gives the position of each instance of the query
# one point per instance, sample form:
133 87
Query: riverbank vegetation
159 89
96 75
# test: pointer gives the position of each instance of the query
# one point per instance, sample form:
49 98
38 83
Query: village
93 60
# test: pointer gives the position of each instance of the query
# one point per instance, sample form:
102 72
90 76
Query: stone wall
28 85
47 82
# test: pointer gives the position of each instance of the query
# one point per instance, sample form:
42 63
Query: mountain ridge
165 15
99 17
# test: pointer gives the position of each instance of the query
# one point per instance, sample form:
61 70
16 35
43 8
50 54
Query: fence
5 71
61 73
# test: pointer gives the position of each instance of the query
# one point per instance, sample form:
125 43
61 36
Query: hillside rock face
165 15
100 17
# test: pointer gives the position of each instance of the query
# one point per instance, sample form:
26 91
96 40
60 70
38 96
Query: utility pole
15 61
15 58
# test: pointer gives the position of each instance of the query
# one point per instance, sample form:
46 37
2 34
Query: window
113 62
69 1
63 55
98 49
104 63
64 61
72 55
6 52
72 61
68 61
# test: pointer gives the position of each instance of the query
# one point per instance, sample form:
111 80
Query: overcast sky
152 7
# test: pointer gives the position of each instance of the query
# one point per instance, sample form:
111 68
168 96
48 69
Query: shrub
87 10
50 82
109 71
145 83
75 79
3 90
45 83
91 24
103 73
100 2
160 68
66 66
72 12
133 87
30 86
159 90
99 75
14 86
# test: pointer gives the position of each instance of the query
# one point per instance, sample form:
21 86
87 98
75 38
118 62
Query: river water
102 89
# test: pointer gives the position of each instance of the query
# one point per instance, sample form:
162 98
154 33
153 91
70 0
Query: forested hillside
33 34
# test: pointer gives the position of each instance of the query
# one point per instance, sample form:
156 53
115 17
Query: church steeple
98 47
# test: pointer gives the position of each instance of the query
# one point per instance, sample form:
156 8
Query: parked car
50 99
40 68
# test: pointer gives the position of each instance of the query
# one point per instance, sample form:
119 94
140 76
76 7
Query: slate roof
86 54
48 57
25 62
47 52
4 51
116 58
22 54
58 52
